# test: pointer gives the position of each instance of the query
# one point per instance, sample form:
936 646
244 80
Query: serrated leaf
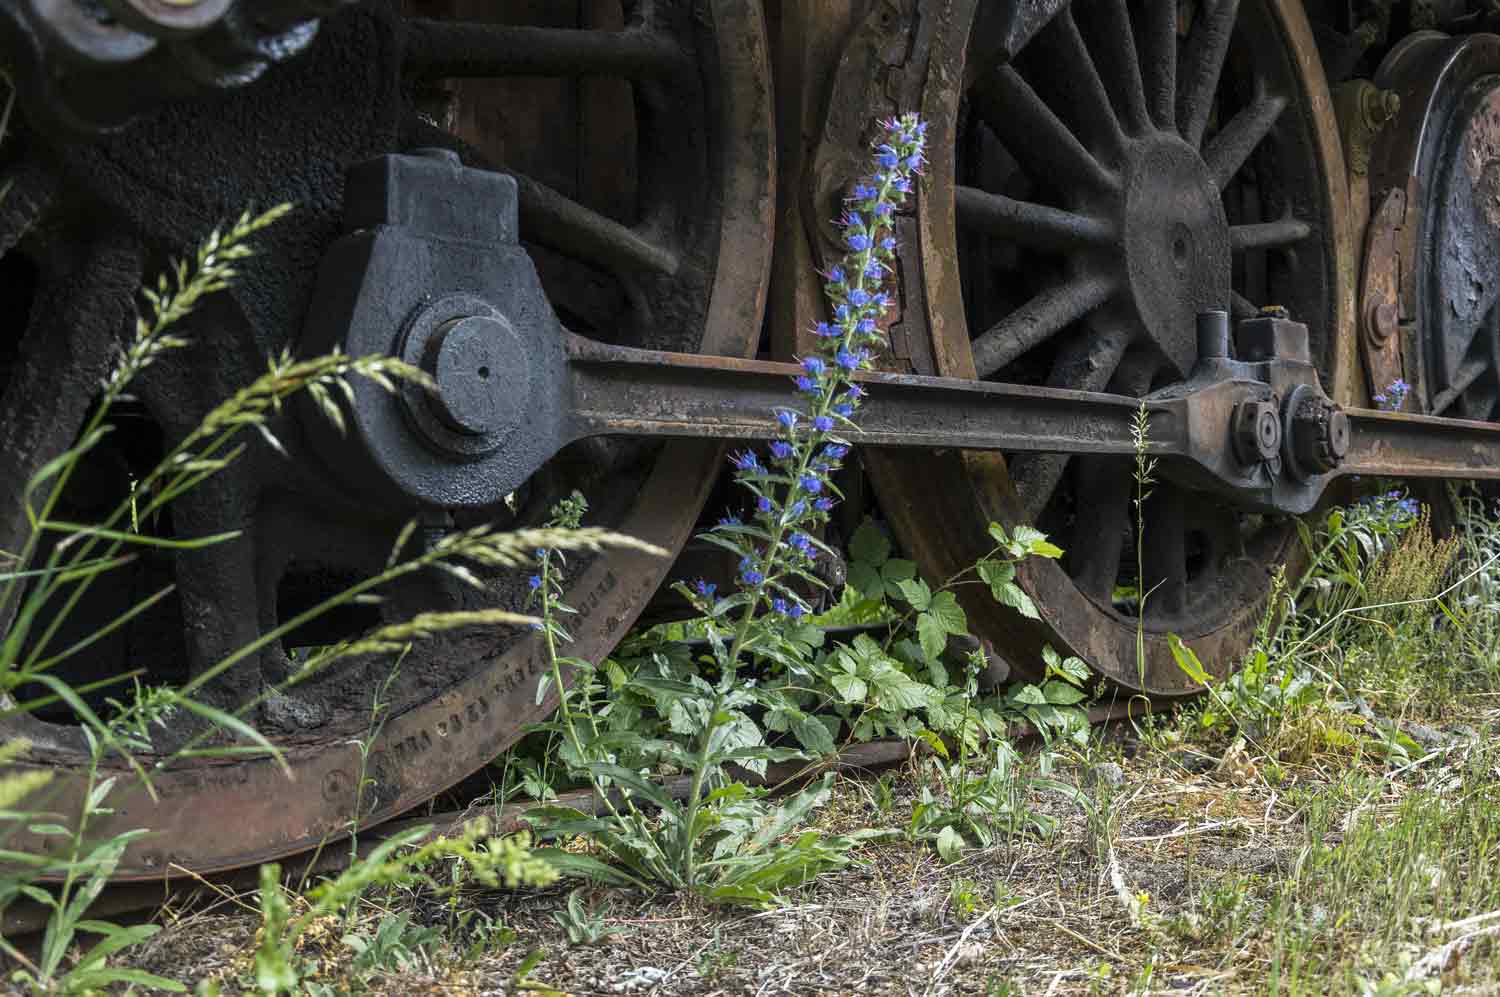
869 545
851 687
898 569
932 636
949 613
1011 595
1028 695
864 579
813 736
1060 693
916 592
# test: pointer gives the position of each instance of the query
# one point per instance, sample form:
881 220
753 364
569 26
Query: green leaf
949 613
898 569
869 545
916 592
997 532
1188 661
851 688
1060 693
996 574
950 845
1028 694
932 636
1011 595
864 579
813 735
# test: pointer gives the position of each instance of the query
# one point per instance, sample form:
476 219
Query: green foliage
407 859
584 926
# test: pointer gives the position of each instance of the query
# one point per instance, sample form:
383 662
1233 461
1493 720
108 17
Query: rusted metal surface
465 697
1127 290
1380 327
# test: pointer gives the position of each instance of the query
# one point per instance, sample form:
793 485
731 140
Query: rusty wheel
1097 180
641 140
1441 159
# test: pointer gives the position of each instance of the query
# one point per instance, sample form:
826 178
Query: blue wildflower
823 504
866 326
914 162
843 409
855 392
705 589
874 269
836 275
841 312
796 509
782 450
884 209
825 330
858 241
795 612
811 483
807 385
541 552
847 360
863 192
887 157
730 521
823 424
859 297
778 604
888 244
835 451
763 504
745 460
535 581
813 365
787 418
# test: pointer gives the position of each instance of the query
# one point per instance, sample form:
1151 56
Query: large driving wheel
641 142
1096 181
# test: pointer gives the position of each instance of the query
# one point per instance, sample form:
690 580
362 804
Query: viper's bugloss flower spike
795 499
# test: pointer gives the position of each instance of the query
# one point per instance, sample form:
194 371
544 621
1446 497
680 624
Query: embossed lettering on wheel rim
1053 254
223 814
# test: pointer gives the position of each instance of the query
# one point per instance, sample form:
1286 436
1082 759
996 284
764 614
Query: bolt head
473 361
1257 431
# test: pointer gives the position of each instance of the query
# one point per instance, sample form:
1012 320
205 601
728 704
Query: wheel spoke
1087 362
1102 485
1227 151
1078 93
557 221
1202 61
1034 226
1158 61
1047 150
1469 372
1113 45
1164 553
460 49
1268 235
1038 320
560 222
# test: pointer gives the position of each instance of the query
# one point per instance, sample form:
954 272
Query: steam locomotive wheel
645 178
1447 137
1128 167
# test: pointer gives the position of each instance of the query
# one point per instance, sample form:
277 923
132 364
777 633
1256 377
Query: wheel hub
1175 244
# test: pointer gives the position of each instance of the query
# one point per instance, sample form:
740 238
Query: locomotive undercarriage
598 226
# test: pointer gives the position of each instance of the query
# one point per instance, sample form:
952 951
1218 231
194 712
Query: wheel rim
441 731
1055 182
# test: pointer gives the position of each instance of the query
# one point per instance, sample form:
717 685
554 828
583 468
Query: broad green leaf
932 635
898 569
916 592
864 579
869 545
1027 694
949 613
814 736
1011 595
1060 693
851 687
950 845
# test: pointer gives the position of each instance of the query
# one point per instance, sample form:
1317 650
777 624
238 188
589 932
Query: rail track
598 225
